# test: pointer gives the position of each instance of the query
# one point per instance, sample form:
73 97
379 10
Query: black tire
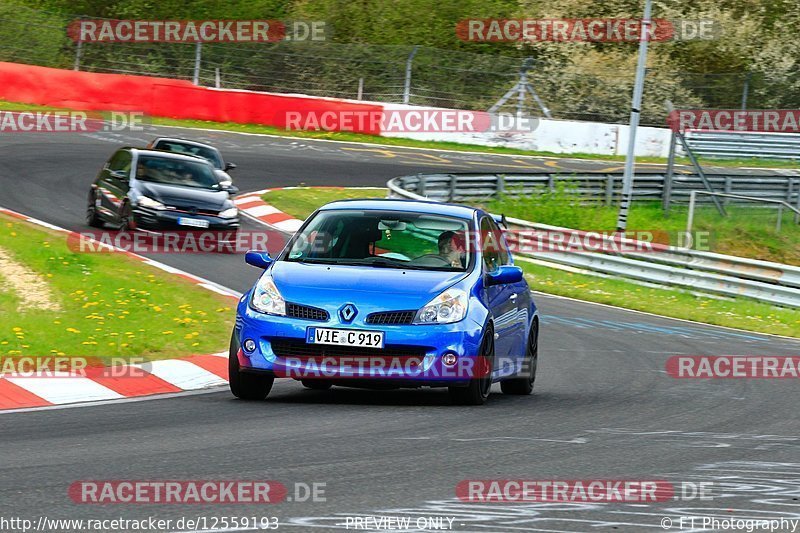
524 385
92 219
316 384
127 222
245 386
478 390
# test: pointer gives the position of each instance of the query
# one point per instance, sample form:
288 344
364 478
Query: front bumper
412 354
168 219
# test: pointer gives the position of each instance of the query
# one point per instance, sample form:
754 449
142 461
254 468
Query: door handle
513 297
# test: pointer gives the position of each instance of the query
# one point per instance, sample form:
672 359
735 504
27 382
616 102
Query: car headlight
266 297
231 212
450 306
145 201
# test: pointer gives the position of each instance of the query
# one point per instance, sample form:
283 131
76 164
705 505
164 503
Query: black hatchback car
159 190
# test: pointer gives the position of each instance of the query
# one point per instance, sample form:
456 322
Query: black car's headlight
231 212
145 201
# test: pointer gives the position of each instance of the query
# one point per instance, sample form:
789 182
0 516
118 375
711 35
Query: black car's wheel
316 384
245 386
479 387
524 385
92 218
126 219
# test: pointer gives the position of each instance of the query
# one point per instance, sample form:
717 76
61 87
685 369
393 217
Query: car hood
369 288
185 196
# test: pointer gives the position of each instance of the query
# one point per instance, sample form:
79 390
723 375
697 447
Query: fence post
78 53
780 219
451 195
797 215
217 80
360 88
690 218
745 90
197 53
609 189
421 184
407 87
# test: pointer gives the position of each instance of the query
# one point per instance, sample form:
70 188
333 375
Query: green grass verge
302 201
110 305
745 232
739 313
410 143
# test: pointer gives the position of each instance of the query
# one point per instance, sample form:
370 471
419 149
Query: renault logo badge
348 312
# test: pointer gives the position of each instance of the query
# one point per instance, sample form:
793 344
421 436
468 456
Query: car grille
391 317
306 312
300 349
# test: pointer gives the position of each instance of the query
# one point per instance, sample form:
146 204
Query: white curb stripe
66 390
182 374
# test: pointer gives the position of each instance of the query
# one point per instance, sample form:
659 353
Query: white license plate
345 337
193 222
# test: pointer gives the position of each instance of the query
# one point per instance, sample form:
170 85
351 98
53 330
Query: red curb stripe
275 217
15 397
212 363
249 203
138 383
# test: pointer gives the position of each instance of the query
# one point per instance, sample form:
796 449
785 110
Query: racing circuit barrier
717 274
739 145
603 186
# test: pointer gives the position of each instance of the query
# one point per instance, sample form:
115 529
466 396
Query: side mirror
258 259
118 175
232 189
230 166
505 274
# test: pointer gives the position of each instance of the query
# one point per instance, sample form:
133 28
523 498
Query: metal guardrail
603 186
739 145
712 273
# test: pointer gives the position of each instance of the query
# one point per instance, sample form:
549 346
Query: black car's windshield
209 154
176 172
383 239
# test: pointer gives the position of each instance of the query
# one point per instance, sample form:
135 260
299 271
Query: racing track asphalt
603 406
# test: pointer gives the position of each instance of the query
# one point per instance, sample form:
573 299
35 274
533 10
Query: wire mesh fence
393 74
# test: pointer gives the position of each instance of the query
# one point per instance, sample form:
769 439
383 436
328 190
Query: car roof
184 141
164 154
411 206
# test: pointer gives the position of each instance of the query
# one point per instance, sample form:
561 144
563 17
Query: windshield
211 155
176 172
384 239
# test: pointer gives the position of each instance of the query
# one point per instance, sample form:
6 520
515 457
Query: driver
452 249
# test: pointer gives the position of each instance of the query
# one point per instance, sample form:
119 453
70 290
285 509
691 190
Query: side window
489 246
120 161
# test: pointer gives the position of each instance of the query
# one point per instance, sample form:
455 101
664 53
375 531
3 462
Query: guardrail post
501 185
609 189
421 180
780 219
690 218
728 190
551 183
451 194
797 215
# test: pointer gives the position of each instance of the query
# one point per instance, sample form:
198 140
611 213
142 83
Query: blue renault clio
388 294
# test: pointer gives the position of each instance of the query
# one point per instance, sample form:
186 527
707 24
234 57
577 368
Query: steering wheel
434 260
